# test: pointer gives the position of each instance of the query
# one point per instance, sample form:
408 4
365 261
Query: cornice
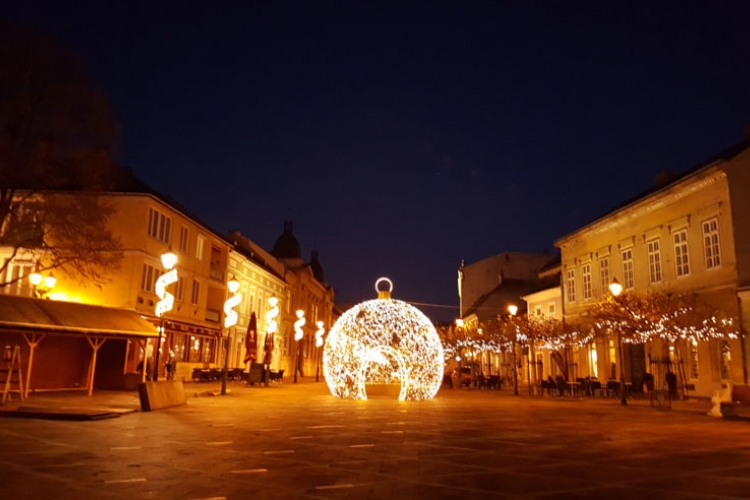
644 206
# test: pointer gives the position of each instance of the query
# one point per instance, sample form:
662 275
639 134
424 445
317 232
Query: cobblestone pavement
297 441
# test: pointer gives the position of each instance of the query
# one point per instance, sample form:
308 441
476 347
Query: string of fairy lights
387 341
672 327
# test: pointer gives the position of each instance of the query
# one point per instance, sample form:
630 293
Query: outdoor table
573 388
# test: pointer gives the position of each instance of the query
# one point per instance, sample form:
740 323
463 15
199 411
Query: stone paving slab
296 441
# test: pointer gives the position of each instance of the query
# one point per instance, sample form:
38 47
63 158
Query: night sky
402 137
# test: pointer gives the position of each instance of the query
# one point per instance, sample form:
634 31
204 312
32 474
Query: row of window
550 310
160 227
251 303
711 252
722 349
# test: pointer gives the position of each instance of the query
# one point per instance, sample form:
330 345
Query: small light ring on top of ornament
384 294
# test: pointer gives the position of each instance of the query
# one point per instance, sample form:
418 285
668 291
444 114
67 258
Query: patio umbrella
268 347
251 339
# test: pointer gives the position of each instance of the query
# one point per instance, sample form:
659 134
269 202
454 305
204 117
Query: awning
180 327
22 314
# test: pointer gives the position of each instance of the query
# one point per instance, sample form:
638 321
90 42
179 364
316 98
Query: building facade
544 304
308 292
690 234
261 277
193 337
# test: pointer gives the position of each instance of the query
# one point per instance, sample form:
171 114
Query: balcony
216 273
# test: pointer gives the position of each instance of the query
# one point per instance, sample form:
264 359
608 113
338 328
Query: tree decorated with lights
560 337
383 341
663 317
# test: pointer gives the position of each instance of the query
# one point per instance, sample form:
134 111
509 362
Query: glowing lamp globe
383 341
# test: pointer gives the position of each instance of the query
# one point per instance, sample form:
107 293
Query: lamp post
319 343
166 302
271 327
230 319
298 335
42 284
615 288
513 309
459 351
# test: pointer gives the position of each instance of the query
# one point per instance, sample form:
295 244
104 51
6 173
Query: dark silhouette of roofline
724 155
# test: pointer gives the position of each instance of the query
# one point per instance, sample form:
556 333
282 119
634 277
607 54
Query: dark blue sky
402 137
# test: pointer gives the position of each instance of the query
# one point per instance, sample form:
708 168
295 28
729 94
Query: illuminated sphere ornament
383 341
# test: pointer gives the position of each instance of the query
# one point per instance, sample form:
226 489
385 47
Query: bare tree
57 139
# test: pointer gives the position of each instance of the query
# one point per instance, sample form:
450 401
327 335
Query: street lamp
271 327
513 309
298 335
166 302
230 319
42 284
615 288
319 343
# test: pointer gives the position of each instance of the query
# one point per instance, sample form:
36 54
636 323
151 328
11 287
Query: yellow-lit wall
685 205
257 285
130 223
316 300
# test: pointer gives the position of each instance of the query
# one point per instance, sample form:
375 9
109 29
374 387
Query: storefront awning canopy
22 314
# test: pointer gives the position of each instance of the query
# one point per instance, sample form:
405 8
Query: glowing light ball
383 341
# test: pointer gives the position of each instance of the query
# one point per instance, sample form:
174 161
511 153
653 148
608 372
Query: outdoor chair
548 386
276 376
613 387
595 387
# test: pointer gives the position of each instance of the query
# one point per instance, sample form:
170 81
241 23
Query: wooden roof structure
34 319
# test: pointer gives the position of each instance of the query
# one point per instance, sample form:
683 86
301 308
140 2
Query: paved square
297 441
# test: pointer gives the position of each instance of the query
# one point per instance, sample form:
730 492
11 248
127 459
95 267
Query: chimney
664 177
287 226
314 255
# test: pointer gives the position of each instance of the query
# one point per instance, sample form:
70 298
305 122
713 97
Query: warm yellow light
298 333
459 322
233 285
160 287
512 309
615 287
62 297
230 315
168 259
50 281
319 334
271 324
35 278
